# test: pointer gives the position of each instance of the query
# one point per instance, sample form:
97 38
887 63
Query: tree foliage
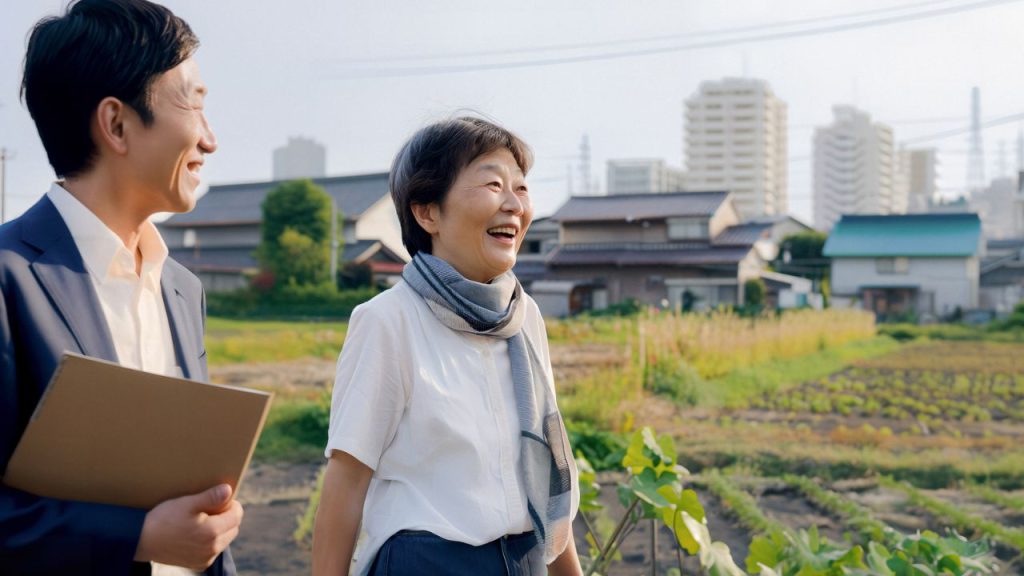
296 236
805 245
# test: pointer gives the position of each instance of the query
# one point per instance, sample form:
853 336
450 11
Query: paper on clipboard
112 435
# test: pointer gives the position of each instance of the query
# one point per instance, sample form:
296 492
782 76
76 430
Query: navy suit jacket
49 306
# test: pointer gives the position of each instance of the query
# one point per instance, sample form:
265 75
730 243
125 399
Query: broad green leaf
813 540
668 449
673 518
635 460
854 558
714 557
651 443
951 563
645 486
625 494
689 503
763 553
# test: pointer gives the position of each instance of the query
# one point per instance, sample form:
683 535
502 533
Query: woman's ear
427 216
110 125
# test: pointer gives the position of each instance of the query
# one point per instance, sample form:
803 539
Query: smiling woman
460 431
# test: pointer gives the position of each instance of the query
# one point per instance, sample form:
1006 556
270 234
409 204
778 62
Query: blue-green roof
905 235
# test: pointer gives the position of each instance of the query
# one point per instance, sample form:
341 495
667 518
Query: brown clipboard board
112 435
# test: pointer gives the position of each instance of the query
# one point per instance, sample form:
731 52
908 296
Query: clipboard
108 434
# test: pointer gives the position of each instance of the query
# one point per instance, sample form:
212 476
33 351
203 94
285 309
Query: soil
274 496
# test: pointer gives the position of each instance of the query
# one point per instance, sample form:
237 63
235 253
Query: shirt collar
104 254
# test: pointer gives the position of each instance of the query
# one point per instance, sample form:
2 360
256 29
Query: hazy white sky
279 69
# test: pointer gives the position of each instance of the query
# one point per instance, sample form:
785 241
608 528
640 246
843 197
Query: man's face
166 156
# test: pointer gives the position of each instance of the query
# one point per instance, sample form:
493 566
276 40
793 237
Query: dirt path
274 497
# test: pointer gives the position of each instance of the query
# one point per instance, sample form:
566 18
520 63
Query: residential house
903 266
664 249
1002 275
218 239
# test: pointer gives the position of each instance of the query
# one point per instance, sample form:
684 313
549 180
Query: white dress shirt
132 303
433 412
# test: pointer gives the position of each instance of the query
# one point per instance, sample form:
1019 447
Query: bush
674 378
292 300
630 307
603 449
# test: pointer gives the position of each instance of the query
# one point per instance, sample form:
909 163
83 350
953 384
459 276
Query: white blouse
432 411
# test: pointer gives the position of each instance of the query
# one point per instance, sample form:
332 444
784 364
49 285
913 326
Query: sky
360 77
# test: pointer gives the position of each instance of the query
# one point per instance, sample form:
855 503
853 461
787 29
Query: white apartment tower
300 158
644 176
736 141
916 179
853 168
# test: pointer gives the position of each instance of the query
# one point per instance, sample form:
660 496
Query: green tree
805 245
296 236
753 293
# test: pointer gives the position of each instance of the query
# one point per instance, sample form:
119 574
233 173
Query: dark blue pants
420 553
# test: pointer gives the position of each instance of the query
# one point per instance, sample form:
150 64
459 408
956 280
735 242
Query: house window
531 247
687 228
188 240
900 265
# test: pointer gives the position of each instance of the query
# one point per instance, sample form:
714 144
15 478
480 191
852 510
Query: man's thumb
213 500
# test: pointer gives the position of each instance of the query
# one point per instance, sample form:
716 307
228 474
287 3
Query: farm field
816 423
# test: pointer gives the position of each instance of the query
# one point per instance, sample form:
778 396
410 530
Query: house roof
949 235
363 250
744 234
657 206
629 254
241 203
216 259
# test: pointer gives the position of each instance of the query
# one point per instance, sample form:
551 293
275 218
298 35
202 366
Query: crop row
985 357
997 497
956 517
854 515
884 393
741 505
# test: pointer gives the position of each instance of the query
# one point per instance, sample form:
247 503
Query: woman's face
481 223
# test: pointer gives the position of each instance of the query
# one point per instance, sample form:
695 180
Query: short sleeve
369 388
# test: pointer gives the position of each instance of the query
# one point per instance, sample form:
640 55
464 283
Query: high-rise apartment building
300 158
644 176
916 180
853 168
736 140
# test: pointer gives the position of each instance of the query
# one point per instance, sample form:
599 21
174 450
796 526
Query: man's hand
190 531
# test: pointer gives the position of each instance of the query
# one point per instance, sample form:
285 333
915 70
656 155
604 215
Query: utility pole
334 240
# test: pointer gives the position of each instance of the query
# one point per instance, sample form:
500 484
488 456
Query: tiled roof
743 234
639 206
624 255
936 235
236 203
225 259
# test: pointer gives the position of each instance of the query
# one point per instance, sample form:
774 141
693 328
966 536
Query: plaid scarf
497 310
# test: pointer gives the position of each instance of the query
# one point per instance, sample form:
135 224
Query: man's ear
109 125
428 216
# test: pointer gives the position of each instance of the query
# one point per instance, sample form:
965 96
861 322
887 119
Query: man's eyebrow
200 89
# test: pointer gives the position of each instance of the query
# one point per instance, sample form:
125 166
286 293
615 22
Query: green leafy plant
925 554
653 491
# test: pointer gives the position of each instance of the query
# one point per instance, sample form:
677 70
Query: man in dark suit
118 102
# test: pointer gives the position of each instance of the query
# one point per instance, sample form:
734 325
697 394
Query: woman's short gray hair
429 162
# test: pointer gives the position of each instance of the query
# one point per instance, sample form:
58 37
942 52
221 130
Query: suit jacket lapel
62 274
183 330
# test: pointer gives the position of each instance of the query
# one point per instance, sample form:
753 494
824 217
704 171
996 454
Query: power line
964 129
760 37
642 40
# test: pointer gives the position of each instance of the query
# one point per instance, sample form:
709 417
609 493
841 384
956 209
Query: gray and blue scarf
497 310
